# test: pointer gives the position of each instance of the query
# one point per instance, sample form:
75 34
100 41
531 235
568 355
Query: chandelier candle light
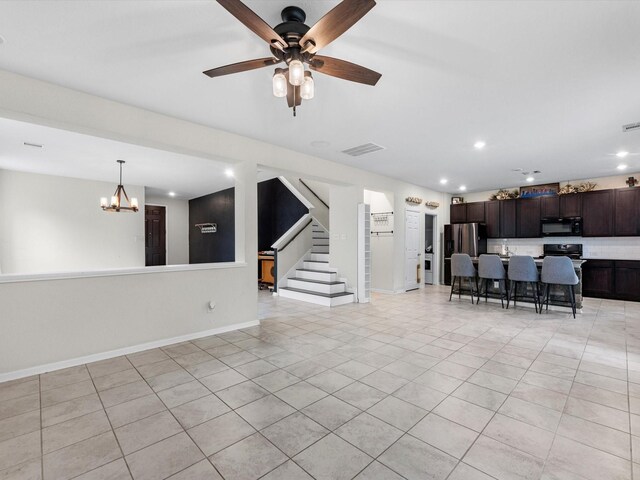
116 200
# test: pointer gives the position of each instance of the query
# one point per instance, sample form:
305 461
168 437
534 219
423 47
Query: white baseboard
390 292
49 367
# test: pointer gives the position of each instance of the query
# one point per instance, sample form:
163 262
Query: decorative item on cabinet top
531 191
456 200
413 200
430 204
632 182
207 227
504 194
580 188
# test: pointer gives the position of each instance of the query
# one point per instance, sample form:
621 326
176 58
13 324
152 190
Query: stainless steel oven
562 227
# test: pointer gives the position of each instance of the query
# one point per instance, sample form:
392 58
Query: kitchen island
559 296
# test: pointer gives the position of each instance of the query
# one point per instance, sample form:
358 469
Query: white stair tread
321 282
317 294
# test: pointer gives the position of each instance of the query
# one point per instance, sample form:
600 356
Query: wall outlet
496 284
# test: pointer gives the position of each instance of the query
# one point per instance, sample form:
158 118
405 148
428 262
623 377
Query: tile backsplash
614 248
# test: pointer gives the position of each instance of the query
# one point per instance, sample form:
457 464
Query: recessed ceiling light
479 145
172 194
443 181
622 166
530 179
622 154
228 172
462 188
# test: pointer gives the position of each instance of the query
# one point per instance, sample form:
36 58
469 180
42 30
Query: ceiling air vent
363 149
631 126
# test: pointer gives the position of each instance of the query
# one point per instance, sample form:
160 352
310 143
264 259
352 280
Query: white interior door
412 249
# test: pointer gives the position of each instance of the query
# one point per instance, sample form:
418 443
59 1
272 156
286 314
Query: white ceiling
70 154
547 85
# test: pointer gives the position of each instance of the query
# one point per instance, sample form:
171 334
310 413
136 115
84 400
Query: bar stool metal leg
573 300
453 284
471 288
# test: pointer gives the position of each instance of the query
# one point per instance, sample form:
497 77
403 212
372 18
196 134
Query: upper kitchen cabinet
550 206
571 205
508 215
597 213
528 217
458 213
492 218
475 212
627 212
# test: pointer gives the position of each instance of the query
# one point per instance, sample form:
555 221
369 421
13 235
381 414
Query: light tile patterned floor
410 386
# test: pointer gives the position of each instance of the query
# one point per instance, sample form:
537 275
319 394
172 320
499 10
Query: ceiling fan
296 44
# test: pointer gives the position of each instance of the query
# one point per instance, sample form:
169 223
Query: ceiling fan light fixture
296 72
307 90
279 83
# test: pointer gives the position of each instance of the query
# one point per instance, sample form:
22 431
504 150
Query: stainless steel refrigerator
469 238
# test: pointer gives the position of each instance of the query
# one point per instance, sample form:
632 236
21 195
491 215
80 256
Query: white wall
55 224
381 245
51 321
177 218
343 238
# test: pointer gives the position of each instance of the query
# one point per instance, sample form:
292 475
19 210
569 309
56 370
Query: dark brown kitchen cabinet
597 213
458 213
475 212
550 206
618 279
627 280
571 205
627 212
597 278
492 218
508 215
528 217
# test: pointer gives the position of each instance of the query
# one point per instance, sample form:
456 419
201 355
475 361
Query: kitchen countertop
577 264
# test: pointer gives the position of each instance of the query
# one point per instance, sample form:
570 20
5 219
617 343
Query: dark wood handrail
314 193
294 237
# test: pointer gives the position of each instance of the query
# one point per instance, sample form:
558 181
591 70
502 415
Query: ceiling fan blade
254 23
242 66
345 70
335 23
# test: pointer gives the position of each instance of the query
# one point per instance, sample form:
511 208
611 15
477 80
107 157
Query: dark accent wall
216 208
278 211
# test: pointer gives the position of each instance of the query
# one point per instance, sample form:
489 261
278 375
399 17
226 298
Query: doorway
155 221
412 250
430 257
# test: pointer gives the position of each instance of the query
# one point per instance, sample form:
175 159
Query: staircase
317 282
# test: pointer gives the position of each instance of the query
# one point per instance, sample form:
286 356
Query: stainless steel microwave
562 227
